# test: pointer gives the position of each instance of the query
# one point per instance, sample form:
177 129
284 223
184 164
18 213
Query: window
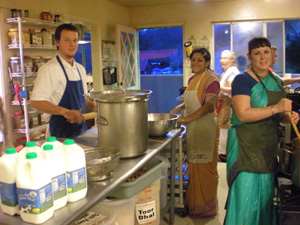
235 37
84 54
161 51
292 45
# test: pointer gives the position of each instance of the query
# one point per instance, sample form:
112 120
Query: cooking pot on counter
123 120
296 162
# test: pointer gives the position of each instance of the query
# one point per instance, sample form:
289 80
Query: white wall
101 15
197 18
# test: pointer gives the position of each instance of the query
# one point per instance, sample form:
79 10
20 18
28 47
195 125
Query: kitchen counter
99 190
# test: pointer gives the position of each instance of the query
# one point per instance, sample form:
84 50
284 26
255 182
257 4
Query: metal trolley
181 170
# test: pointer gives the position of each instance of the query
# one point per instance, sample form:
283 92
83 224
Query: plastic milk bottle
29 147
34 190
52 141
76 170
8 189
56 165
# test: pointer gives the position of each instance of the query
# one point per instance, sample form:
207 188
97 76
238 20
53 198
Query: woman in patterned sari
259 105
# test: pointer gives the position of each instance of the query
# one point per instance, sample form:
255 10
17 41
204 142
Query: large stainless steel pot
296 162
122 120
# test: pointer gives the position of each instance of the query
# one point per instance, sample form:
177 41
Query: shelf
41 47
18 103
31 21
23 131
19 75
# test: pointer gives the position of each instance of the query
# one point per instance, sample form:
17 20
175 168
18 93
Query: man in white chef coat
60 87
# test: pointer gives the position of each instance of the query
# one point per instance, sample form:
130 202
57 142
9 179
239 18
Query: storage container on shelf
147 206
34 190
155 169
55 160
123 207
8 190
76 170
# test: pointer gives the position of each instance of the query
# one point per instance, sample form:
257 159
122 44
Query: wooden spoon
90 115
294 126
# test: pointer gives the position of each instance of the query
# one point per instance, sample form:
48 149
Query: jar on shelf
19 120
39 39
19 12
33 119
13 36
26 13
47 37
33 37
14 64
37 62
56 18
13 13
26 38
45 15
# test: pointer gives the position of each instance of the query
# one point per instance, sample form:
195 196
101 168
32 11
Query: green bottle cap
51 139
11 151
69 142
48 147
31 155
30 144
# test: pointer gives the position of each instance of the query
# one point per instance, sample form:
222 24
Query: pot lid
120 95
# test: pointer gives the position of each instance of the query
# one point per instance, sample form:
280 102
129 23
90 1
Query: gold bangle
272 109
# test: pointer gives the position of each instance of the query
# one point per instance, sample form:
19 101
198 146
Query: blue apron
72 99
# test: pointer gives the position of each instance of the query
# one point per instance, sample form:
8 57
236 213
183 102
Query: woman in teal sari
259 105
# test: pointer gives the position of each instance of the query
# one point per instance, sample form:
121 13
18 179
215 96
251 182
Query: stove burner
288 202
289 197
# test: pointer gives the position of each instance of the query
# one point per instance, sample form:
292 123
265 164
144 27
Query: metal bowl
160 124
100 162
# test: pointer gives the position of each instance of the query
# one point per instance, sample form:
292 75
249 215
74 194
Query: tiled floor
222 195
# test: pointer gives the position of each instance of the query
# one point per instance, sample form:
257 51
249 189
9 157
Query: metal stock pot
123 120
296 162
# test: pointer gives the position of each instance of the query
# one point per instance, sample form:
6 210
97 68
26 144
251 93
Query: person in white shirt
60 87
230 70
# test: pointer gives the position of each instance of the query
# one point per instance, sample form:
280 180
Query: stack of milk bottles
38 180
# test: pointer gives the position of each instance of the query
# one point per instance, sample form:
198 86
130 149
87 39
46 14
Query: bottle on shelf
8 189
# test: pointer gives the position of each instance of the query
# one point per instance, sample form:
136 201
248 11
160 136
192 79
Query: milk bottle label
76 180
35 201
145 212
59 188
8 194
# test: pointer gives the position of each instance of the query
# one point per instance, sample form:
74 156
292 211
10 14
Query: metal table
99 190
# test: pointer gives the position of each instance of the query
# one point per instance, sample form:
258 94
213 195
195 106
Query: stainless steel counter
99 190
